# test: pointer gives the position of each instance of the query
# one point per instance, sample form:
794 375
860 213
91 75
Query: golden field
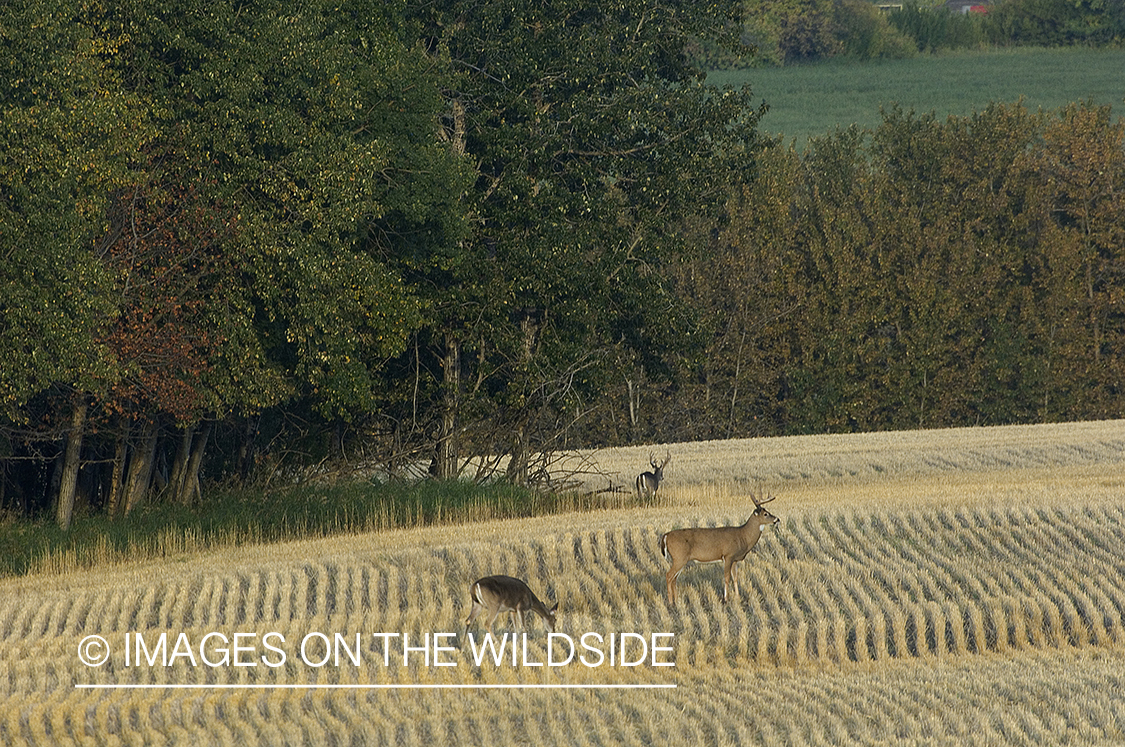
945 587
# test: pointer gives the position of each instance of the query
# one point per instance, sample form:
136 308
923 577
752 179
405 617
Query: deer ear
555 608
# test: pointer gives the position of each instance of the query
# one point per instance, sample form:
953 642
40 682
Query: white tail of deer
712 544
506 594
648 482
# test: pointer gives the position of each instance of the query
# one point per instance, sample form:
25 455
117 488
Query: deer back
707 544
649 482
503 593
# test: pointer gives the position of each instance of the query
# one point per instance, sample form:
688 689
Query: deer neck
541 609
754 525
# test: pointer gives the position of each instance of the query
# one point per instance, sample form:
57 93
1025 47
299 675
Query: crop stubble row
833 590
1046 698
961 581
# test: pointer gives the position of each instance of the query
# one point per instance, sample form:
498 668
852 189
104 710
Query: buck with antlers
648 482
712 544
506 594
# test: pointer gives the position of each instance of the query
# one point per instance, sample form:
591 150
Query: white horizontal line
367 687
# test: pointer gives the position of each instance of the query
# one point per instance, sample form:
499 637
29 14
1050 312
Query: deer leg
473 613
494 616
673 573
728 569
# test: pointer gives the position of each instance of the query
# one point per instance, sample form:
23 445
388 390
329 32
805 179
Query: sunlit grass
232 518
808 470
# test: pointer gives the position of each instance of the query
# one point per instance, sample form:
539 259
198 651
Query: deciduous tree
592 133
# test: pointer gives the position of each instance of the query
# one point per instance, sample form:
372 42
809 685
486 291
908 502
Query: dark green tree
1056 22
69 134
1081 165
321 126
747 291
211 190
592 133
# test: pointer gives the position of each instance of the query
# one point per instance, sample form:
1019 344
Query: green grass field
946 587
812 100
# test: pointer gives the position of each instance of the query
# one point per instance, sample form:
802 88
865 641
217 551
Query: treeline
795 31
929 274
257 243
242 238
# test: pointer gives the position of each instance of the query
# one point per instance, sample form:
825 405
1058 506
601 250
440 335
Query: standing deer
648 482
712 544
506 594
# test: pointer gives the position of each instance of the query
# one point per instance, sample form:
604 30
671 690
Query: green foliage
1046 23
314 132
196 214
935 28
865 33
592 131
732 283
1057 22
797 31
937 273
68 135
791 31
321 125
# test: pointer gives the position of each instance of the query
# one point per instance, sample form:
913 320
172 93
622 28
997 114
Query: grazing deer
506 594
648 482
711 544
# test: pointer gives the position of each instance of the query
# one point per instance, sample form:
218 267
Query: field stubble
953 587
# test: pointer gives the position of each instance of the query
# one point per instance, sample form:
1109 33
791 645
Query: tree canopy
388 218
243 239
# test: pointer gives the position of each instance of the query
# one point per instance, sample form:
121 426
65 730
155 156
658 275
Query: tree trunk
1095 326
117 478
69 481
444 465
180 463
634 391
517 466
140 469
248 450
734 387
445 462
190 489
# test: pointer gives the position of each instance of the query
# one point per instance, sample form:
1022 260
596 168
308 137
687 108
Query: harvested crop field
946 587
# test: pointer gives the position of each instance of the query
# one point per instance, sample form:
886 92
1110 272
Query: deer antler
759 503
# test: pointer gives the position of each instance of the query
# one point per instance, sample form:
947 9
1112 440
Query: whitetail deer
506 594
711 544
648 482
